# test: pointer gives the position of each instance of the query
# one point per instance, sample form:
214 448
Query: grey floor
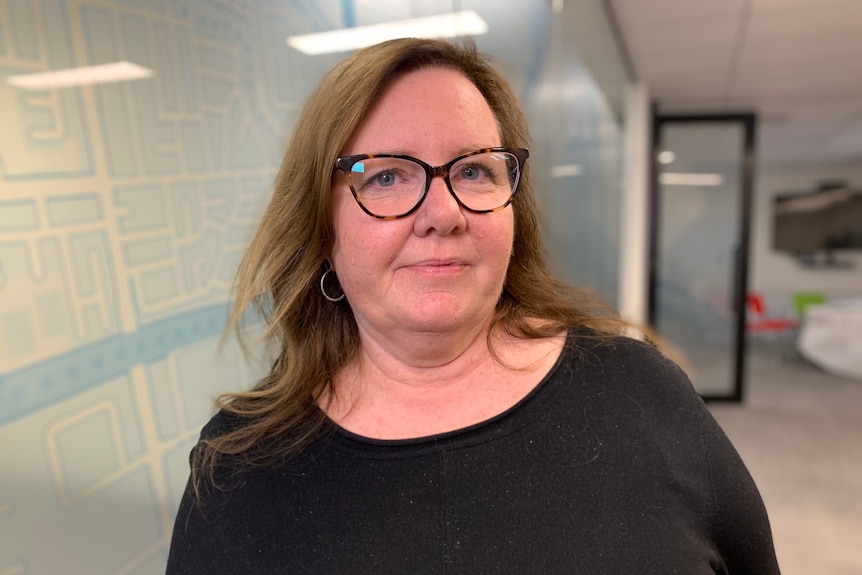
800 434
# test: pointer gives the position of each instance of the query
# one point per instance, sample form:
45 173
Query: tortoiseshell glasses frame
392 186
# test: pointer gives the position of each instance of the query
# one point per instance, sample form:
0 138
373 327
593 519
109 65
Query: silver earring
323 289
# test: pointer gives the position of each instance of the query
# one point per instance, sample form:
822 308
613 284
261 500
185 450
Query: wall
778 273
124 209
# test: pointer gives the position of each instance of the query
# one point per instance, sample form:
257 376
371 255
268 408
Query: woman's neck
423 359
440 386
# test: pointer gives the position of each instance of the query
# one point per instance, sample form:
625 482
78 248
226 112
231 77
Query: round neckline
479 432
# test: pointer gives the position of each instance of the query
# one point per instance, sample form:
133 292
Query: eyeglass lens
394 186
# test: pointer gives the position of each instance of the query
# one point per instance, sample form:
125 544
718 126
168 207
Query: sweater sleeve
741 526
203 528
737 518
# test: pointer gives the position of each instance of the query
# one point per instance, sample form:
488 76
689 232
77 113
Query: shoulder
629 366
222 423
231 444
634 398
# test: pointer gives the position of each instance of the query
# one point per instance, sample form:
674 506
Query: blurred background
698 165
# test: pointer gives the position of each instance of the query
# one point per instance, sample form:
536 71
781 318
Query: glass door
703 172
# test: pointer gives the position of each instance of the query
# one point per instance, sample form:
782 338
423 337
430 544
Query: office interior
126 203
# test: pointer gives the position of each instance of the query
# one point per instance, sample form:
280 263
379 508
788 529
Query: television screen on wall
816 222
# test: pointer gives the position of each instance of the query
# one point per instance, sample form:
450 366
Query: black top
611 465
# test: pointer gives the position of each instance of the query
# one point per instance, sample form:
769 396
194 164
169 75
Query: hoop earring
323 289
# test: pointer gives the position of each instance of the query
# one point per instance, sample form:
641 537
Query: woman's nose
440 212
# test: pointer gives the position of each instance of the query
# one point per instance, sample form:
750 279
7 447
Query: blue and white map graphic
124 210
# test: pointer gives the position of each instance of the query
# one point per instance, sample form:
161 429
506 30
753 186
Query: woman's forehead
426 107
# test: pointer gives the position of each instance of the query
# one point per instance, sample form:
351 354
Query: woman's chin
442 316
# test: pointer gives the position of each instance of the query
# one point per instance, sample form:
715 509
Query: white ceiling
797 63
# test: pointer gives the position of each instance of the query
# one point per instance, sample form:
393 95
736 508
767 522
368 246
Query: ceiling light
566 170
666 157
685 179
99 74
465 23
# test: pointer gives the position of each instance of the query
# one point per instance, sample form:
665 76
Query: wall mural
124 210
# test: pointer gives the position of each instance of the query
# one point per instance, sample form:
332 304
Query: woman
440 404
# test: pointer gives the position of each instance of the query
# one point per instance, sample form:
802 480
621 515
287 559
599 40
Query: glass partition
577 161
700 253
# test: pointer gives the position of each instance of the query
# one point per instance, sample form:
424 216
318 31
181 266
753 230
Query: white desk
831 337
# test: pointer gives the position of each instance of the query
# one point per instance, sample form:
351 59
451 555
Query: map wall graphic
124 209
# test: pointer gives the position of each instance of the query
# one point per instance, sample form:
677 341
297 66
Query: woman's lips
437 267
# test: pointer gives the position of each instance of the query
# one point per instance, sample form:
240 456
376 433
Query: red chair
758 321
773 337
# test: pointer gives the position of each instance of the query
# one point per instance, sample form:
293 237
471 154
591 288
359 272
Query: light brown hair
280 273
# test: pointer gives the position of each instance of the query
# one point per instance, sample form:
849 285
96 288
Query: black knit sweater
611 465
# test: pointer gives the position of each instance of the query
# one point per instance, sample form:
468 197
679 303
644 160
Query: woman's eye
384 180
476 173
471 173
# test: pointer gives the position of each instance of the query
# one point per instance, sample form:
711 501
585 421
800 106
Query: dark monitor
820 221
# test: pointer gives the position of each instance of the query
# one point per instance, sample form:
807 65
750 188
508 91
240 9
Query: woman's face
441 268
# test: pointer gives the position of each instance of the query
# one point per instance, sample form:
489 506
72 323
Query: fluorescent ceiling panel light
99 74
685 179
465 23
566 170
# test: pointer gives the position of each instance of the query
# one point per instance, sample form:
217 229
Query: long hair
280 273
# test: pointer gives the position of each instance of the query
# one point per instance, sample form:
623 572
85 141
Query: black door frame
740 290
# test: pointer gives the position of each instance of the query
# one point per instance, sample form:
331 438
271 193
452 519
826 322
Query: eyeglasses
391 186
